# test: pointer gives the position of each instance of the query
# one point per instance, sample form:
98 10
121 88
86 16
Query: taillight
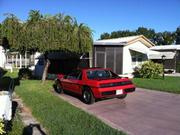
115 84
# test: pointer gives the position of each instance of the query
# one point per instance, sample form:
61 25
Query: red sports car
94 83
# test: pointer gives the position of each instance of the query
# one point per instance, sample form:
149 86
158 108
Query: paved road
143 112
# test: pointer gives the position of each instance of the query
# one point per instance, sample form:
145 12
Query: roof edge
150 44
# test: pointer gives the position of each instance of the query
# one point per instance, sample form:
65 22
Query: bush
2 131
24 73
149 69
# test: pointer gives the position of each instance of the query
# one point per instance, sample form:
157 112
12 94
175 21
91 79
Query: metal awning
158 55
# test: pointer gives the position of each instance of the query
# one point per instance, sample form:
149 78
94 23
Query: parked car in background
94 83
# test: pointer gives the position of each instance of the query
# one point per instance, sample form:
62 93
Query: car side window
76 75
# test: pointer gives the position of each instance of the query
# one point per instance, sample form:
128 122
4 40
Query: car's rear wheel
122 96
58 87
88 96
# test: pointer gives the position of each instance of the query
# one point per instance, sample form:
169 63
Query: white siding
2 57
127 59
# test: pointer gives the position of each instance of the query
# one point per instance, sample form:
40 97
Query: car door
72 82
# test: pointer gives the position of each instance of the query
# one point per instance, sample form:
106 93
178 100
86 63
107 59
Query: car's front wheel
87 96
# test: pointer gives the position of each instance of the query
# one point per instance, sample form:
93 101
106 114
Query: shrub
2 131
136 72
24 73
149 69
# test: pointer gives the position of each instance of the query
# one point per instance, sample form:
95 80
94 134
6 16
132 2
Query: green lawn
14 74
169 84
17 126
58 116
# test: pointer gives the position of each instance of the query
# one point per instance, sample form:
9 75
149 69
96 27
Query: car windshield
100 74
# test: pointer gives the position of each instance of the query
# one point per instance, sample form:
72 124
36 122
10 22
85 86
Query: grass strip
169 84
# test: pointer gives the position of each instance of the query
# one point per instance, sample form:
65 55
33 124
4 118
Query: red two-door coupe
94 83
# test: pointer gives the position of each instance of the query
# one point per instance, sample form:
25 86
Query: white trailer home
122 55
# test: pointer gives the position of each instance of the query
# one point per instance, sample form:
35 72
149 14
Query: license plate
118 92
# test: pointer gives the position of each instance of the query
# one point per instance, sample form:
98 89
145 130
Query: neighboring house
172 59
2 57
122 55
19 60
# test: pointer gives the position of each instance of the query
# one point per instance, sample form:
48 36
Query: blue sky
104 15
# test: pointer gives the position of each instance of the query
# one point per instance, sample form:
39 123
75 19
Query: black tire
122 96
58 87
87 96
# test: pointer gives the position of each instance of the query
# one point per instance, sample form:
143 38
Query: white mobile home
122 55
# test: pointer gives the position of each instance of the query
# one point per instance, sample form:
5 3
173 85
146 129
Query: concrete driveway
143 112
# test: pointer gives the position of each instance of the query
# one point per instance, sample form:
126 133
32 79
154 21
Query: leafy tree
149 33
125 33
0 30
105 36
168 38
46 33
177 33
160 38
34 16
11 29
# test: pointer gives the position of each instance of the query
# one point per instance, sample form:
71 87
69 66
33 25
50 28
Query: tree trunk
45 70
25 59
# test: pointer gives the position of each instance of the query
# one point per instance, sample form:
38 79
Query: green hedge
149 69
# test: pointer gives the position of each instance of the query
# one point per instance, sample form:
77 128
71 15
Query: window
133 60
76 74
139 59
100 74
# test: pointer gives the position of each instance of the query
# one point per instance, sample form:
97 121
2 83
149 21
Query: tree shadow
2 72
8 83
28 130
16 82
